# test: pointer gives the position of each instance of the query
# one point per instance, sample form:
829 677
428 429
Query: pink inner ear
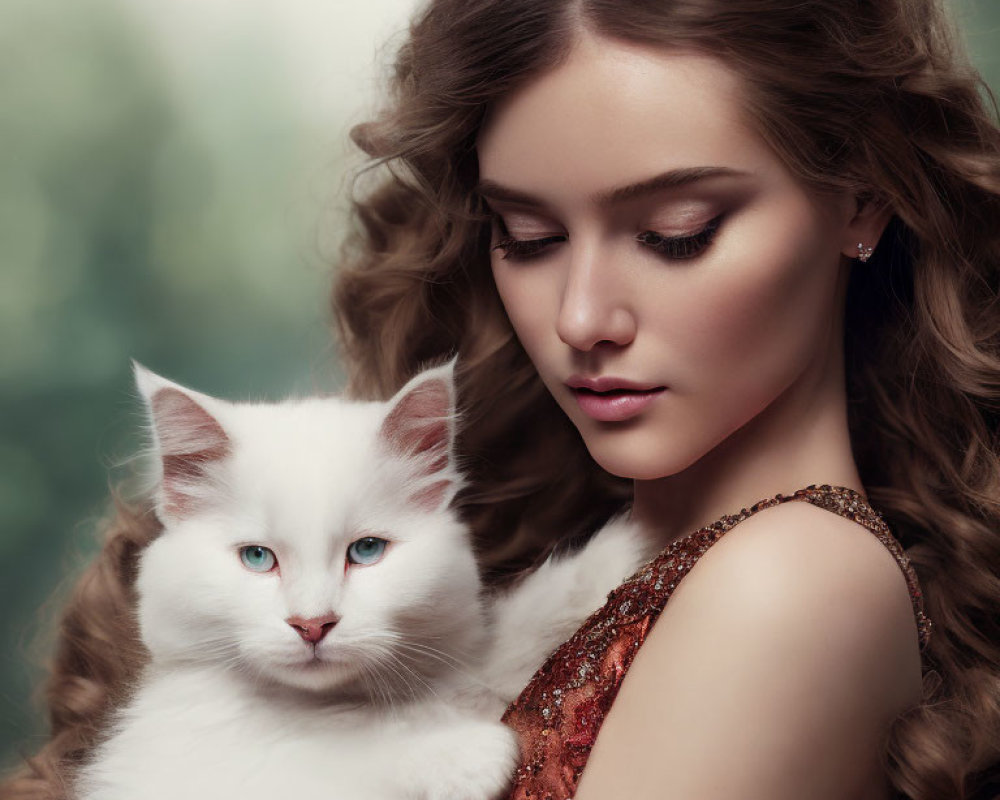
419 423
189 439
430 497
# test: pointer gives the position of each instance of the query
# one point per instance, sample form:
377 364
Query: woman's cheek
525 300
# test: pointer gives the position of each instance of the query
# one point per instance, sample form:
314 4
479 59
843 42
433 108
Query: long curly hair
874 96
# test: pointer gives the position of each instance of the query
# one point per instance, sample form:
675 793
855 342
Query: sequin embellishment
560 711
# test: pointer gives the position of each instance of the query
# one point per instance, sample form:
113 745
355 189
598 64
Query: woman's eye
367 550
258 558
523 249
680 247
672 247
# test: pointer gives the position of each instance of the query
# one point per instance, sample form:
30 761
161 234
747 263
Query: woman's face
664 271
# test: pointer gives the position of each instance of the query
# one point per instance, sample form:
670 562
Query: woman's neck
801 438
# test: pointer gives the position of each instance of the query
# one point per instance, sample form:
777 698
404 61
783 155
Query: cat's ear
420 424
187 439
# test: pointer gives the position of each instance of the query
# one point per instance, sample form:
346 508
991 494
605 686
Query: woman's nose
594 306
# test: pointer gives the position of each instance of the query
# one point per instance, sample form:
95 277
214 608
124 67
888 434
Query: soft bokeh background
172 188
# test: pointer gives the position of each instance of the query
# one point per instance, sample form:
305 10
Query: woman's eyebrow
492 190
672 179
665 180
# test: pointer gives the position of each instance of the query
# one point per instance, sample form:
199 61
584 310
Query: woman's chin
633 461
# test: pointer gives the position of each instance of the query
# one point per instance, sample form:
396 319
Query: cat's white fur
550 603
401 698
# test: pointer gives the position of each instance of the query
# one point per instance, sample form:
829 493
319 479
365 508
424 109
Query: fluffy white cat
313 610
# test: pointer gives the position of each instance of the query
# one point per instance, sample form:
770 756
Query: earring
864 253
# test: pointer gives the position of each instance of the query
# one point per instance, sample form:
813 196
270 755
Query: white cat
314 614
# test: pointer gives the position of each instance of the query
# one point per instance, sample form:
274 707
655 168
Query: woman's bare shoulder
773 672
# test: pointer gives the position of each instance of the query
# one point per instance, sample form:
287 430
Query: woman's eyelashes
521 249
681 247
671 247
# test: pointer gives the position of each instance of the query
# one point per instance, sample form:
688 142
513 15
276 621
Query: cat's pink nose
312 630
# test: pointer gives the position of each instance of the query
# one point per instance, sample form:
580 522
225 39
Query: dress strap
850 504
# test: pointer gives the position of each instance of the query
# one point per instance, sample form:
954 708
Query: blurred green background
172 190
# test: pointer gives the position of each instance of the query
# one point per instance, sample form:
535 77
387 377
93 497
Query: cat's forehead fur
316 441
310 463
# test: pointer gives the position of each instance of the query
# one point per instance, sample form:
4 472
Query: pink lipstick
609 399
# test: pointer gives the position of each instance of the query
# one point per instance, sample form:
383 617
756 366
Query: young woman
734 248
701 258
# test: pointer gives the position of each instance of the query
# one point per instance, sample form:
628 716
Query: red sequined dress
559 713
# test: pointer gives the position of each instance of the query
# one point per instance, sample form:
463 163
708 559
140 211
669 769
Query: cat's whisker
402 664
387 658
439 655
385 696
401 640
396 645
402 682
403 669
362 658
460 667
365 680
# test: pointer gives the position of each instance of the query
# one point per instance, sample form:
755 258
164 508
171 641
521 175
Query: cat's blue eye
257 558
366 550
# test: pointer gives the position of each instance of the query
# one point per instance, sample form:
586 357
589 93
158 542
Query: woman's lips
612 401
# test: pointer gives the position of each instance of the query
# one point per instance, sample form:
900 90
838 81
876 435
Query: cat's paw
475 762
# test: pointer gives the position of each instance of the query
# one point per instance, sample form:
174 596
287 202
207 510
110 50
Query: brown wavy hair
874 96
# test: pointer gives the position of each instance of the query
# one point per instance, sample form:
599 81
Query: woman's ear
865 227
